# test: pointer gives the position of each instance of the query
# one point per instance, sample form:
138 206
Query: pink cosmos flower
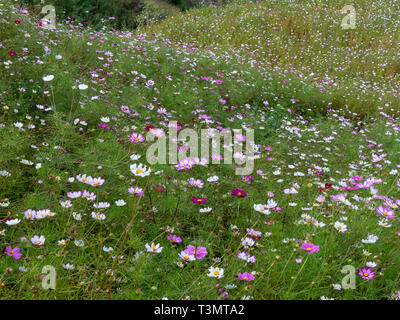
366 273
174 238
135 191
310 248
136 137
15 253
199 252
38 240
185 164
246 276
385 212
196 183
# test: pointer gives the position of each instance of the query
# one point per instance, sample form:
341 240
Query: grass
318 131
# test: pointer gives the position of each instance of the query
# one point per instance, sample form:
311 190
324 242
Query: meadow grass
322 101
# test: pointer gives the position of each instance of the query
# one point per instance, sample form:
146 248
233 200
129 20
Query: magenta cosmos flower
199 200
366 273
246 276
239 193
15 253
310 248
199 252
174 238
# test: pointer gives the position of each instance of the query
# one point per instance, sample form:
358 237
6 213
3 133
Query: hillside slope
78 191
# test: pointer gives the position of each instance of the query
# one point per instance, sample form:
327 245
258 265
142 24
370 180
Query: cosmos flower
98 215
340 226
385 212
68 266
185 164
199 252
366 273
95 182
15 253
246 276
75 194
38 240
140 170
215 272
262 208
213 179
153 248
309 247
136 137
196 183
186 256
395 295
13 222
120 203
239 193
136 191
48 78
199 200
174 238
88 196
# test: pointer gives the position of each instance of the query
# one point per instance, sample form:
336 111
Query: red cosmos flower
327 186
17 21
239 193
148 128
199 200
12 53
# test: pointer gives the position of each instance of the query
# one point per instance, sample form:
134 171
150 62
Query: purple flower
310 248
199 252
366 273
199 200
174 238
15 253
246 276
239 193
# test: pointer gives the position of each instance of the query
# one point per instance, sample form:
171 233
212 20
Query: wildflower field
87 213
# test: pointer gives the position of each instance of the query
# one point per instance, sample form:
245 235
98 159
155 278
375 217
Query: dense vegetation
77 192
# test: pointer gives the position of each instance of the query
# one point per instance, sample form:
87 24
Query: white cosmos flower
13 222
68 266
120 203
140 170
213 179
340 226
135 157
82 87
48 78
153 248
216 272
